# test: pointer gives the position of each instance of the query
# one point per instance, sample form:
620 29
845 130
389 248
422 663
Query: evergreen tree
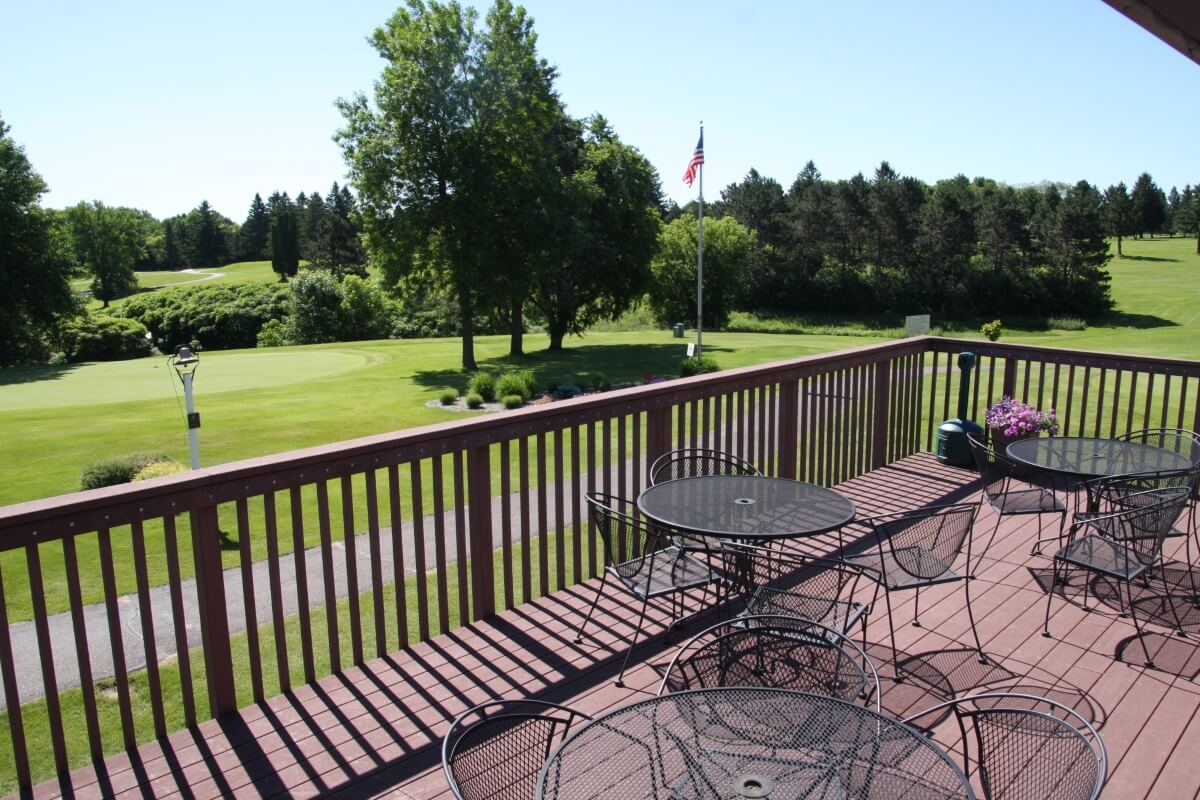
209 248
255 238
285 243
1118 214
1077 254
171 256
311 221
1149 206
342 247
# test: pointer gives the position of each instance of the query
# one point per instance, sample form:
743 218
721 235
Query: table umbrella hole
754 785
744 501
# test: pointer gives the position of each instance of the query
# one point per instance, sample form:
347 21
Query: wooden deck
376 731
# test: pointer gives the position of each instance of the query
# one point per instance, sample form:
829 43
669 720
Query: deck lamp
185 363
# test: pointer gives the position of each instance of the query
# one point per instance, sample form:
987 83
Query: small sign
691 350
917 325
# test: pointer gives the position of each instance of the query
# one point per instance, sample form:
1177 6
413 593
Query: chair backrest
792 583
1144 517
628 539
694 462
1027 747
994 469
1176 440
496 749
925 542
775 651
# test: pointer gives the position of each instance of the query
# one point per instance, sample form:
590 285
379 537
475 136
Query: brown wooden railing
392 539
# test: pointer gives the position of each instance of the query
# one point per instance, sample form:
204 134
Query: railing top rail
84 511
1083 358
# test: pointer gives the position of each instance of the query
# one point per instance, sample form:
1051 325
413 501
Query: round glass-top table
746 507
1085 457
734 743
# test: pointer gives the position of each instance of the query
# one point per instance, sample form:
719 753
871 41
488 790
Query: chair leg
592 608
1167 598
916 623
1037 545
971 618
1137 626
887 599
636 632
1049 599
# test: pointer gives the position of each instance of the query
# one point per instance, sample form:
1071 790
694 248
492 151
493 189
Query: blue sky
159 105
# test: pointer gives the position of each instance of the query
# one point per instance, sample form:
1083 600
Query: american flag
697 159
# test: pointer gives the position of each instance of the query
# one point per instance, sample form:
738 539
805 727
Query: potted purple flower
1011 419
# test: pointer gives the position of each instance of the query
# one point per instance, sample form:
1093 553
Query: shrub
600 382
119 469
565 391
366 313
519 383
220 317
448 396
512 401
315 307
699 365
274 333
474 400
1066 324
991 330
484 385
98 337
157 469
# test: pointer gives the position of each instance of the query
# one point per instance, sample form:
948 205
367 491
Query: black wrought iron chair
1008 493
774 651
1025 747
774 580
695 462
496 749
646 560
918 548
1122 545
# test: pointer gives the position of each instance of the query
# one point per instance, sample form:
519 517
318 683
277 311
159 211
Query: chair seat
669 570
1102 555
1034 500
905 567
1103 522
837 614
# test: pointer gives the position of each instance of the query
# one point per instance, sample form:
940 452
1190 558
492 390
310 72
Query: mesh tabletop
733 743
1093 458
750 507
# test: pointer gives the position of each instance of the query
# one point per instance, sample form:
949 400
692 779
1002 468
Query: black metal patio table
746 508
1087 457
733 743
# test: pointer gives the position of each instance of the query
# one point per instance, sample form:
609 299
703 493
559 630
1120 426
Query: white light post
185 363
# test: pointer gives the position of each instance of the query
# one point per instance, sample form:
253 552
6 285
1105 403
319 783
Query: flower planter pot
1000 442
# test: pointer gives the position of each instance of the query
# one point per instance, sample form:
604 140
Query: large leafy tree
35 259
727 248
107 242
604 232
443 158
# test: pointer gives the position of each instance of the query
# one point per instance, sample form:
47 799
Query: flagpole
700 260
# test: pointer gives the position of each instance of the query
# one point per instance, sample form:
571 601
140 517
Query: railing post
1010 380
879 433
789 411
479 522
214 622
658 433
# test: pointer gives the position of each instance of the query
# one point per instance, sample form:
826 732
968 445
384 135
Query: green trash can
678 330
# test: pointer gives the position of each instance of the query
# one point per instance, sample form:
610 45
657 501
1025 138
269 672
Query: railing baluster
479 483
296 501
399 578
523 503
146 616
460 541
543 523
576 512
1100 403
376 556
282 667
418 518
115 639
350 541
439 544
37 594
83 654
593 566
12 698
325 528
1149 399
246 562
560 528
506 540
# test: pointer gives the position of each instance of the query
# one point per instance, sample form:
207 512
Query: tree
205 244
171 254
946 241
1077 254
604 233
107 241
35 260
727 247
1187 219
1149 205
285 243
443 161
331 236
256 231
1117 214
